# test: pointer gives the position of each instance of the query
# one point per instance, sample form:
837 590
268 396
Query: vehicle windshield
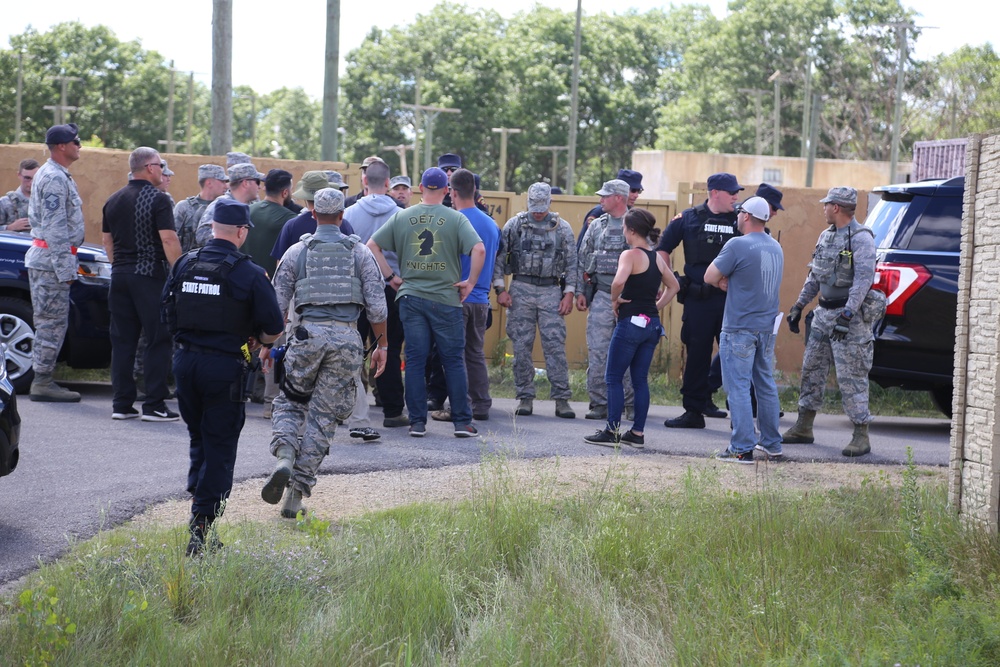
885 220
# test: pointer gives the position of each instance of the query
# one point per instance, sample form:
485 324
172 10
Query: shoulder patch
51 201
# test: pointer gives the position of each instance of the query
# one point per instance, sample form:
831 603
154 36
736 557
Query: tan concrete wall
664 171
974 486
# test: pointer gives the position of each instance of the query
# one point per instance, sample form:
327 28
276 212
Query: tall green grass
522 574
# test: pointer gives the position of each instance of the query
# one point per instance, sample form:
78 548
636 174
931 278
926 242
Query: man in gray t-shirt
749 270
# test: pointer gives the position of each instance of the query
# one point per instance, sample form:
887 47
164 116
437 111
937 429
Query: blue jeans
631 349
748 356
425 321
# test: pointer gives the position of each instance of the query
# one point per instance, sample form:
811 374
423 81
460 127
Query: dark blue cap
61 134
231 212
725 182
771 195
449 160
434 179
633 178
556 190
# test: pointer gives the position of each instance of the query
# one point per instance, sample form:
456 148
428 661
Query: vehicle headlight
94 273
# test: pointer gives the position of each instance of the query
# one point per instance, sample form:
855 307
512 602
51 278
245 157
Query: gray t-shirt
753 263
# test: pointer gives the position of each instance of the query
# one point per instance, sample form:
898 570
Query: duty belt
194 347
703 291
832 303
40 243
337 323
537 280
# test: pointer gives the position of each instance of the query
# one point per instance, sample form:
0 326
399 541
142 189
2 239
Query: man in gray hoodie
366 216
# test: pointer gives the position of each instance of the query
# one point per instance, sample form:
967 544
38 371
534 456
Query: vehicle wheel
942 399
18 338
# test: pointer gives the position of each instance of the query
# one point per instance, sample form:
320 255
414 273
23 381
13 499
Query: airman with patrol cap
213 181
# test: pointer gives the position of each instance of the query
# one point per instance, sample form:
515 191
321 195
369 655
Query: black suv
87 343
918 228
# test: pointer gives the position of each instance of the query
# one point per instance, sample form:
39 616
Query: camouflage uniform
835 278
13 206
187 215
538 255
323 356
603 242
203 230
55 212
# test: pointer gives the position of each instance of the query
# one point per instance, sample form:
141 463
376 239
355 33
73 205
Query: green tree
960 94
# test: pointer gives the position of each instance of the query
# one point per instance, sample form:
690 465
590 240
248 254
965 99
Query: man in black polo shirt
139 237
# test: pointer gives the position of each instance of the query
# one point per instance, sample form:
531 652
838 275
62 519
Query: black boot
203 538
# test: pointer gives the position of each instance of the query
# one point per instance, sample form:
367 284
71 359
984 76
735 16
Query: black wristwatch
391 276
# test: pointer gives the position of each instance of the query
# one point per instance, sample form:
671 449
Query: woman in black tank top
637 298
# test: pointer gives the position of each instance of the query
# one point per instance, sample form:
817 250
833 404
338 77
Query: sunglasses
161 165
76 141
635 190
448 170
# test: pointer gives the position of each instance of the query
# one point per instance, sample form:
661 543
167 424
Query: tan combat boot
524 407
564 410
801 433
293 504
43 388
276 483
859 444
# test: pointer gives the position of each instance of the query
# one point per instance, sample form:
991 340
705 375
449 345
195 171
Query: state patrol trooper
212 180
597 264
703 229
841 272
220 307
540 254
55 212
331 277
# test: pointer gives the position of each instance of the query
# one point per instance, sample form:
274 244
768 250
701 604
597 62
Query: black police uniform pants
210 398
699 332
390 383
134 303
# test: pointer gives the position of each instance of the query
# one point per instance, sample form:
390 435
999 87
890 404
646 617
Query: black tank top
641 289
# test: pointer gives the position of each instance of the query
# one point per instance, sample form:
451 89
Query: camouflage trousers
50 301
851 357
537 306
322 370
600 327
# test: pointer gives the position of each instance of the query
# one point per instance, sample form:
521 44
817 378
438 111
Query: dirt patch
337 497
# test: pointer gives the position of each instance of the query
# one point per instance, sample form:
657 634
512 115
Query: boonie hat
311 183
399 180
449 160
771 195
539 197
237 158
231 212
841 195
757 207
434 179
615 187
328 201
61 134
633 178
212 171
244 171
725 182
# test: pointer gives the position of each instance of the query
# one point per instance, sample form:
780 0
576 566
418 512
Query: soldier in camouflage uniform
841 272
603 242
331 277
55 211
188 213
14 205
540 254
244 187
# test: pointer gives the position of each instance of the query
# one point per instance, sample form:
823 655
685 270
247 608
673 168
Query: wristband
391 276
383 347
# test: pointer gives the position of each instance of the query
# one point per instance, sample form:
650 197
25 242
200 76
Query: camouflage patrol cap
329 201
335 179
615 187
400 180
167 171
244 171
237 158
311 183
368 160
841 195
212 171
539 197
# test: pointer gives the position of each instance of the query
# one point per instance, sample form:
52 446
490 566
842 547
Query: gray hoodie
368 214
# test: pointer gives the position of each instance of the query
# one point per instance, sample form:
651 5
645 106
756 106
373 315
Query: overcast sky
277 45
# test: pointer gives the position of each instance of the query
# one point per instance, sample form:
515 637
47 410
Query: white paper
777 322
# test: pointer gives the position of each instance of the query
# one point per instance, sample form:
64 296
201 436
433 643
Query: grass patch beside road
883 574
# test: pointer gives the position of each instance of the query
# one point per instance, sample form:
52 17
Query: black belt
194 347
703 291
537 280
832 303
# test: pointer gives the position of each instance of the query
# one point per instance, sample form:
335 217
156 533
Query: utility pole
757 94
400 150
817 108
806 99
897 120
189 143
20 87
504 132
555 160
57 110
331 82
169 143
430 117
222 76
574 97
774 78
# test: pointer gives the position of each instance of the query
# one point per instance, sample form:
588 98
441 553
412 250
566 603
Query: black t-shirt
135 216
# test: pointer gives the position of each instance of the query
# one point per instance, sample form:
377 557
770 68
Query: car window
940 227
888 218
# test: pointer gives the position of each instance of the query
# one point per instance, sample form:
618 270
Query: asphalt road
80 471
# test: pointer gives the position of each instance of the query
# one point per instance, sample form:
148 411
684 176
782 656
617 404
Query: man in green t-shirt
268 217
429 240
